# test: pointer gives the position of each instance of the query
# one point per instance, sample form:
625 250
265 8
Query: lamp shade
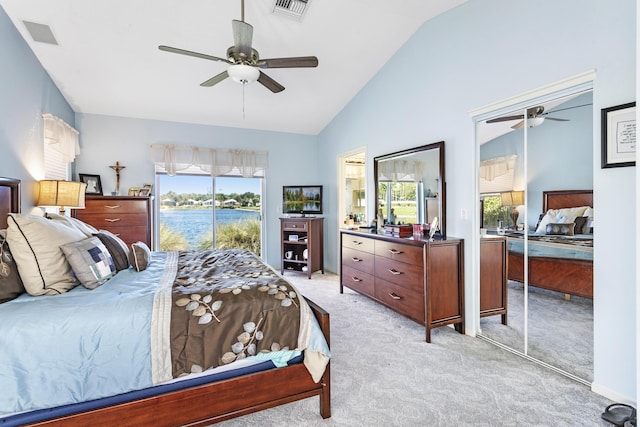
512 198
68 194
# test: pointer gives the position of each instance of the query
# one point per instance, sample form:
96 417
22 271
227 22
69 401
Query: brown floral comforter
227 305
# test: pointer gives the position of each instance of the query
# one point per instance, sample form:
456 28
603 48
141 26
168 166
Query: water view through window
188 205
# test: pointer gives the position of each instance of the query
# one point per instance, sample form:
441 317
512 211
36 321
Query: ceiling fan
245 65
535 117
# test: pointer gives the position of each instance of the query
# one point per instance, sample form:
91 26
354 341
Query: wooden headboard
9 198
558 199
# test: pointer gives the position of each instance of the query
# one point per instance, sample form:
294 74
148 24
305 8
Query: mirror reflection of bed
550 313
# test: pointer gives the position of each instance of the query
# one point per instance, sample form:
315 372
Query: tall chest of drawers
417 278
127 217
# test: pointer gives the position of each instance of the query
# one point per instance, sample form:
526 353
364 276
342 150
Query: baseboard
611 394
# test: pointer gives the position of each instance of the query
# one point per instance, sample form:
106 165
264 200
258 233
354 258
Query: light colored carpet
560 331
384 374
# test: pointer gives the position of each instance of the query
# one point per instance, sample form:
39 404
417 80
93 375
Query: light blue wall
26 92
560 154
480 53
106 139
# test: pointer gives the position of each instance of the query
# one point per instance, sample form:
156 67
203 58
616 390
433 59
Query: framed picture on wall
619 136
94 186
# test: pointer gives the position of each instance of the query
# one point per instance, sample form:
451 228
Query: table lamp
513 199
62 194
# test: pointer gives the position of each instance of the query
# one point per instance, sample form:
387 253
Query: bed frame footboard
219 401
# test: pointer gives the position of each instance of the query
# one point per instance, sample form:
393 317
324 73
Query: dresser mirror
410 186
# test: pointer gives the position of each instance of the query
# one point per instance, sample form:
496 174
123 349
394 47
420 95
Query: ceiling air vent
40 32
291 8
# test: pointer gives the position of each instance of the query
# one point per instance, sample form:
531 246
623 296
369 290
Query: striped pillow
116 247
139 256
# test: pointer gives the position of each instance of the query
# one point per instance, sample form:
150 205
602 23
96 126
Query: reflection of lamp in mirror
62 194
513 199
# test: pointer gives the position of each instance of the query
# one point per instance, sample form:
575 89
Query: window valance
61 137
174 159
497 174
400 170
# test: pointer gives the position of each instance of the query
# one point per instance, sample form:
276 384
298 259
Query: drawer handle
112 219
356 242
394 271
355 279
354 259
394 296
112 206
395 252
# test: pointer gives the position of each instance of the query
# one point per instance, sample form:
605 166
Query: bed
250 380
561 263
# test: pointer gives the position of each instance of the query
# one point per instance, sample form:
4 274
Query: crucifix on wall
117 167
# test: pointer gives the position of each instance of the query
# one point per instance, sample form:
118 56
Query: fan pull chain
243 85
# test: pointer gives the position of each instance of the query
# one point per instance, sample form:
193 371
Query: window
493 211
54 165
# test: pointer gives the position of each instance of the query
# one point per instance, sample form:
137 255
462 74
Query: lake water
194 223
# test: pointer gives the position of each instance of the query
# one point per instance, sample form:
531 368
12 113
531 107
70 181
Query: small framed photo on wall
619 136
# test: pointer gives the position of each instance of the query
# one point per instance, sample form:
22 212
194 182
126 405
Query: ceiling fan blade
566 108
505 119
295 62
269 83
215 79
518 125
242 36
190 53
557 120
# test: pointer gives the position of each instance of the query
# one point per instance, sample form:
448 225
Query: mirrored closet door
536 213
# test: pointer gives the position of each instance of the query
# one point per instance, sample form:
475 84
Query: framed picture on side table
94 186
619 136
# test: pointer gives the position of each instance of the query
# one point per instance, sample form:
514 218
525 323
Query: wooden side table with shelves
302 244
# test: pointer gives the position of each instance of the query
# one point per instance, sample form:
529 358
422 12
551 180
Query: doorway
352 197
518 166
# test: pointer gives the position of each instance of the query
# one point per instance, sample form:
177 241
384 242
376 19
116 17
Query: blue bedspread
84 344
555 246
74 346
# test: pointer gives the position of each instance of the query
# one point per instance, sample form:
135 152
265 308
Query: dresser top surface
410 240
89 197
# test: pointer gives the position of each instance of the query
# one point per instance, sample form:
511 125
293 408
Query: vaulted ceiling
107 60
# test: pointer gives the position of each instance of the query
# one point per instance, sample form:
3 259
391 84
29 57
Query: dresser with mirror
421 275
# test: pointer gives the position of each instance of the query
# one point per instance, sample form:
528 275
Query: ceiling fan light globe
535 121
243 74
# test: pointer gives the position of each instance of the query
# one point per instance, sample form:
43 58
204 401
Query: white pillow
86 229
559 216
35 245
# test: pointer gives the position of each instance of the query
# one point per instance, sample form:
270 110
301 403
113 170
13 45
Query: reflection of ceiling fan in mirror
535 117
244 62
